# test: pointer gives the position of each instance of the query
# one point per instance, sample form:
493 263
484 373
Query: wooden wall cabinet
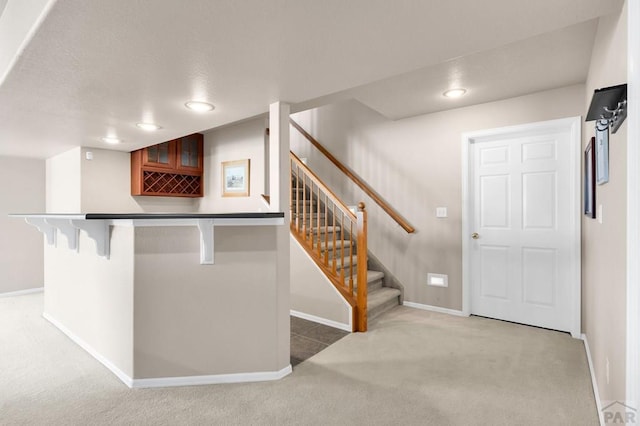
169 169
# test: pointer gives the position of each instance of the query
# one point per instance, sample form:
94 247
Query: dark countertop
246 215
147 216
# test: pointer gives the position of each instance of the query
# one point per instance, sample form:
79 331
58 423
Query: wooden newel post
361 297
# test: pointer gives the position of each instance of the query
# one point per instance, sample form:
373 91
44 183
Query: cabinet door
190 152
161 156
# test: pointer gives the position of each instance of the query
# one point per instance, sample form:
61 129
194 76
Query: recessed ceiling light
112 140
149 127
199 106
454 93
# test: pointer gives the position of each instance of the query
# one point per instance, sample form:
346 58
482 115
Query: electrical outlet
441 212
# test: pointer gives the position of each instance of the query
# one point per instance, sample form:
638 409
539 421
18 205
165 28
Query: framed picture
602 154
589 180
235 178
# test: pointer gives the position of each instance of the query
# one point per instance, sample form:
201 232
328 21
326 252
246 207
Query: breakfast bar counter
171 299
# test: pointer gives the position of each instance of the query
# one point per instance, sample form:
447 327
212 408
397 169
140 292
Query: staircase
335 236
380 299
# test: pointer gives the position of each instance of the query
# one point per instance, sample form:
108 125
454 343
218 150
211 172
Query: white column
279 183
279 157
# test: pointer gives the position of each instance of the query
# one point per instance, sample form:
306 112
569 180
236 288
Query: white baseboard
319 320
596 394
84 345
434 309
212 379
169 381
22 292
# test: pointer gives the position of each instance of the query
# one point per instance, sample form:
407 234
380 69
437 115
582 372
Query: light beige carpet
412 368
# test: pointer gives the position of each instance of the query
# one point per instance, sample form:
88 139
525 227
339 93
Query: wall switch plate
438 280
88 155
599 215
441 212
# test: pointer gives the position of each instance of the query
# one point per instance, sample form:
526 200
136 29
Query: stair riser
328 242
312 212
381 309
309 217
306 202
336 250
376 285
307 209
329 237
339 265
337 255
372 286
323 241
307 226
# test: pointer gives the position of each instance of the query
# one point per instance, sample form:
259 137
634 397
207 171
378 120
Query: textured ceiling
95 68
555 59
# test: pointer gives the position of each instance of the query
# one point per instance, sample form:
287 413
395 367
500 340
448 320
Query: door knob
475 235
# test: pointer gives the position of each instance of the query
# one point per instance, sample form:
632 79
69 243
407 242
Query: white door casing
521 195
633 205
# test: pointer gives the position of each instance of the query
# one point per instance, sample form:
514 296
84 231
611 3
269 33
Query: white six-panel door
522 234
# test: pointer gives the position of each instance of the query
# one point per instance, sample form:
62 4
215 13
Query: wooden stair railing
324 226
356 179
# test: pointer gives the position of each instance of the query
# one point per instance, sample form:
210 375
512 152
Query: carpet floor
411 368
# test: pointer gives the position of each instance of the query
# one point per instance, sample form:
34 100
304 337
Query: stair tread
339 244
324 229
374 281
381 296
344 262
372 276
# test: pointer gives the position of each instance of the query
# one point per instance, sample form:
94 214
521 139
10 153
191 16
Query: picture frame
589 179
602 153
235 178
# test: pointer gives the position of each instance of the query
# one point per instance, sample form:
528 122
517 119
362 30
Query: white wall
92 297
604 245
311 291
238 142
415 164
106 187
153 311
63 182
193 319
21 247
101 185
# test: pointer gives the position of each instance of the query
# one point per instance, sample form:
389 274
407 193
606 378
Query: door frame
633 204
573 124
